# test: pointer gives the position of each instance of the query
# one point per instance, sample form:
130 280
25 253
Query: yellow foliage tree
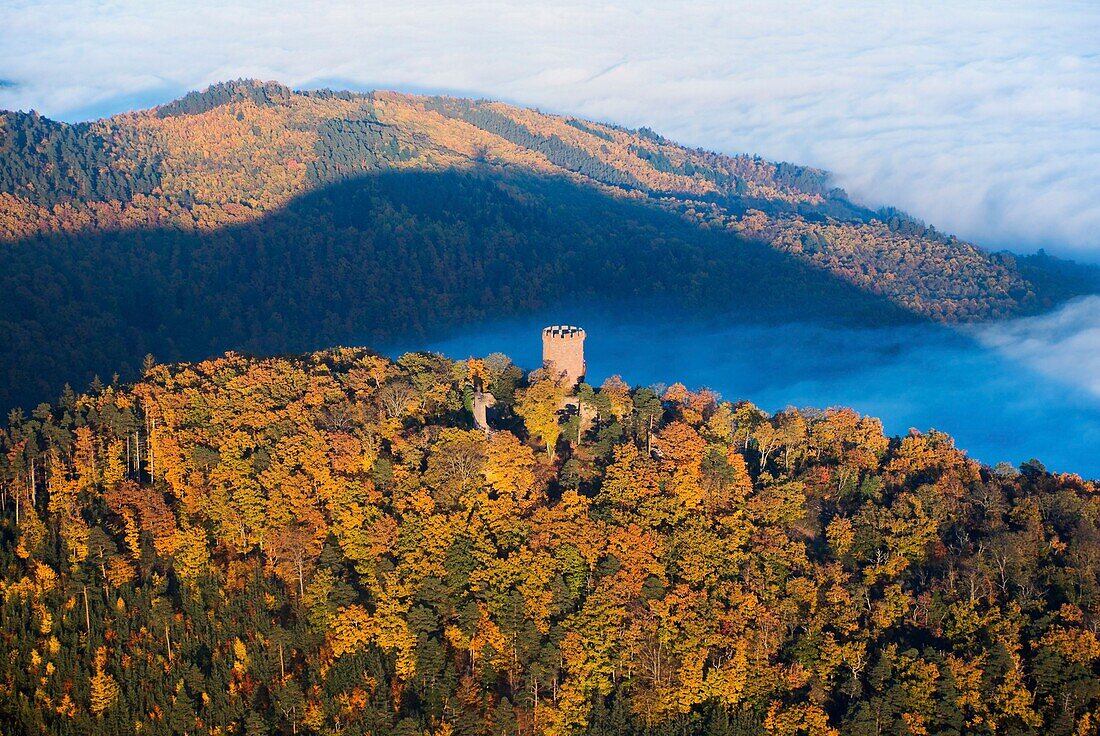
103 690
539 405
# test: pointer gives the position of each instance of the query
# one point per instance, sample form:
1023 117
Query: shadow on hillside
396 255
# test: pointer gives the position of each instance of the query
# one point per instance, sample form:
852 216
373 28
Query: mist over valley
1005 391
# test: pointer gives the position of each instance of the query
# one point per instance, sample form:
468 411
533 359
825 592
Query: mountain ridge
179 166
200 180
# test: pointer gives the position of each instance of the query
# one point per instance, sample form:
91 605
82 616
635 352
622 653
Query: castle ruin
482 402
563 353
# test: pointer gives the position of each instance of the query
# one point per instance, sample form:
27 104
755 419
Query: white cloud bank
982 118
1063 345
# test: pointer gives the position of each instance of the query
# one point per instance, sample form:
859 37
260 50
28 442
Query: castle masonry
563 353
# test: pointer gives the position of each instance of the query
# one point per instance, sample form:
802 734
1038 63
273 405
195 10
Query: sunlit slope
238 150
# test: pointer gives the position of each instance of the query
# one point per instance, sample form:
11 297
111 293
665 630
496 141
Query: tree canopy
325 544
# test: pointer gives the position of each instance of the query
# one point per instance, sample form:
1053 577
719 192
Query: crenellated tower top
563 332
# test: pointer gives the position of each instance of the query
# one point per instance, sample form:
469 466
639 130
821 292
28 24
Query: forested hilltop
326 545
252 217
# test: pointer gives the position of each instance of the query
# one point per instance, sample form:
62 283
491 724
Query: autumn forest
327 545
254 533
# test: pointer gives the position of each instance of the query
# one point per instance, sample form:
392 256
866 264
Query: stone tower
563 353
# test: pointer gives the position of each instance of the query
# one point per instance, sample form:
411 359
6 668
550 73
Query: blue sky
982 118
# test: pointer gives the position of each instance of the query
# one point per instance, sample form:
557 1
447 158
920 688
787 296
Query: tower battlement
563 352
563 332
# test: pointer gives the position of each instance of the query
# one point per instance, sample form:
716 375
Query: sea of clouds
983 118
1063 345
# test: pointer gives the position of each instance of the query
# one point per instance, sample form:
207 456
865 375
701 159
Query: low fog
1063 345
1008 392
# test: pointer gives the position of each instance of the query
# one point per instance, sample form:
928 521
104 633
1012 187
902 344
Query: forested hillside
325 545
251 217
